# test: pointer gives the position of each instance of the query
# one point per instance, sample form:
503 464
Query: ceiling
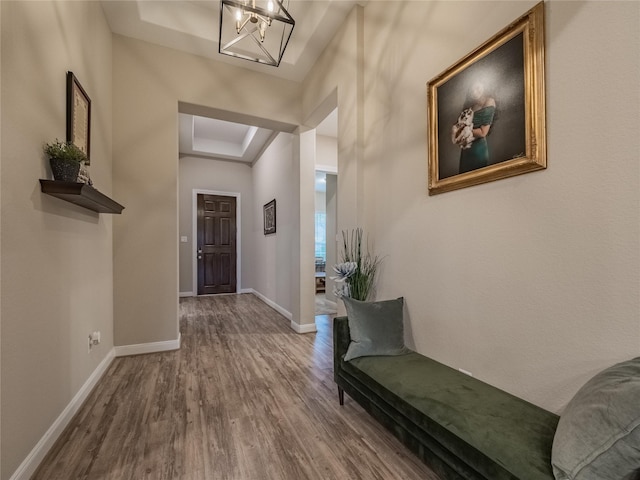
192 27
208 137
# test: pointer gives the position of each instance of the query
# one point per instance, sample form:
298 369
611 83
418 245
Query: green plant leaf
362 281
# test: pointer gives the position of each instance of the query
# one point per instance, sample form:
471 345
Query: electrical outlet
94 339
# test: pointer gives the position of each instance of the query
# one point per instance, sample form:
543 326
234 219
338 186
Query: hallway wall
56 271
531 283
272 267
222 176
149 81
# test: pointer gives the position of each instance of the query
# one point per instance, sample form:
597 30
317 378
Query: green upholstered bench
463 428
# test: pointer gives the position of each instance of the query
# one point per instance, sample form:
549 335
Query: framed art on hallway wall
78 116
269 214
487 112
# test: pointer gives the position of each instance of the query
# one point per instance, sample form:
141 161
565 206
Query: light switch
184 239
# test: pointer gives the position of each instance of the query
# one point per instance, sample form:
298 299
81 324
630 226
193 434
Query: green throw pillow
376 328
598 436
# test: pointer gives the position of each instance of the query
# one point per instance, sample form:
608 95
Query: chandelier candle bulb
263 30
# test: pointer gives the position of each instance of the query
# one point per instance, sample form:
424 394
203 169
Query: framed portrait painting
269 213
78 115
487 112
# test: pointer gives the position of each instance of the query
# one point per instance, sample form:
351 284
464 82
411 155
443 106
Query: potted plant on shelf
65 159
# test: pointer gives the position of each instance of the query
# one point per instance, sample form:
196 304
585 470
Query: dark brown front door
216 244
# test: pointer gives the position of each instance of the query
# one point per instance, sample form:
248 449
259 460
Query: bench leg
341 395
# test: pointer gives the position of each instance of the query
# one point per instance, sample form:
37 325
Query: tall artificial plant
356 273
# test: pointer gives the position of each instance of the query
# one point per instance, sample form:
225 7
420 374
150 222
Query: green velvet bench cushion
491 433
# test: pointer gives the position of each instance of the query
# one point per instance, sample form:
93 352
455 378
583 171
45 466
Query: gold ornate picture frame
487 112
78 116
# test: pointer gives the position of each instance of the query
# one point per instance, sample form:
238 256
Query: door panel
225 231
216 244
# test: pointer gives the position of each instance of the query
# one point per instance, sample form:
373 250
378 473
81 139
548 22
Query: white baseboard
153 347
31 463
286 314
193 294
306 328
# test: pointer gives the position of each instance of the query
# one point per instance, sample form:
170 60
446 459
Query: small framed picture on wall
269 211
78 115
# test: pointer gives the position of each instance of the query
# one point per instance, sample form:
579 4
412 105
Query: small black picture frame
78 116
269 215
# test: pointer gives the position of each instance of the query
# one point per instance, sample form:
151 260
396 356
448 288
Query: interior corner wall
149 82
222 176
321 202
327 156
339 72
327 151
303 268
332 244
532 283
56 270
338 68
274 178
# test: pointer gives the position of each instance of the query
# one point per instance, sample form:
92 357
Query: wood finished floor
245 398
324 307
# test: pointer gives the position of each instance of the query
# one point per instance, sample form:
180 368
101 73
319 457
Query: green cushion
376 328
598 435
499 435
